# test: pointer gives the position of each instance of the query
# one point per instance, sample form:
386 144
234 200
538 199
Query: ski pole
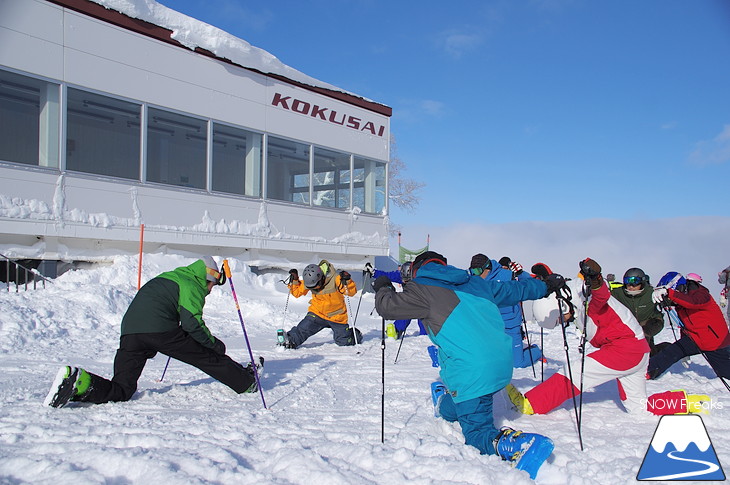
582 372
570 372
227 270
382 395
164 370
527 336
354 329
402 338
542 361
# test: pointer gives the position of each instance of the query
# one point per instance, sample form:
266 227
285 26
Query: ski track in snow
323 421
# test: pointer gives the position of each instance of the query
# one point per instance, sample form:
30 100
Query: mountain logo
681 450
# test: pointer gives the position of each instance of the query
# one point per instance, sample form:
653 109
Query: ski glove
219 347
368 269
294 274
659 295
382 281
591 272
344 276
554 282
515 267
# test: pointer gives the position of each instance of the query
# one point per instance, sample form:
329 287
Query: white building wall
46 40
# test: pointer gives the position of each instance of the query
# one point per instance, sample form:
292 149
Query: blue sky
515 111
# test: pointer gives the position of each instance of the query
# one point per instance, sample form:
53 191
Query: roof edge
100 12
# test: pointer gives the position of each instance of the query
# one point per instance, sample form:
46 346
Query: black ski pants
135 349
718 359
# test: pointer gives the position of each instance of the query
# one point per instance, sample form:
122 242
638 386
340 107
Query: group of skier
475 320
474 317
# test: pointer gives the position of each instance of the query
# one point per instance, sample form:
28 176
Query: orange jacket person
326 308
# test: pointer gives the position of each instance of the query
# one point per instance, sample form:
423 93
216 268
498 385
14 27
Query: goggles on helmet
633 280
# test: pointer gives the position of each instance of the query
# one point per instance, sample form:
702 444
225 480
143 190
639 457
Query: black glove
294 274
382 281
554 282
368 269
219 347
591 272
344 276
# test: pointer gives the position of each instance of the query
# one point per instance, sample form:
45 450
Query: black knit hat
426 257
541 270
504 261
480 261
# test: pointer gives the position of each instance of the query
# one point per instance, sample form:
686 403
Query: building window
176 149
29 120
102 135
331 179
369 185
287 171
237 156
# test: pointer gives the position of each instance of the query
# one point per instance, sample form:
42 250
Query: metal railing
21 271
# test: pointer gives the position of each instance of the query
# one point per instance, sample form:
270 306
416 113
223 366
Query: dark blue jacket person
491 270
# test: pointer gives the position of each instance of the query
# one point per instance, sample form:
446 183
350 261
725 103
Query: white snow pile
323 422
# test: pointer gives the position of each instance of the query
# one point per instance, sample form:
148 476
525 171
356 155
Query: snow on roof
193 33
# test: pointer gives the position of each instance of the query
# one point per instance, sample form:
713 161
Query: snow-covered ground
323 422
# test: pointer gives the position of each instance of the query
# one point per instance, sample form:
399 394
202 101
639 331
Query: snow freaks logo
326 114
680 450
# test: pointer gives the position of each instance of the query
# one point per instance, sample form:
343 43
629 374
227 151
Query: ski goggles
220 277
633 281
480 270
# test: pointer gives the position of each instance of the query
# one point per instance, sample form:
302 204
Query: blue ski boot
438 389
525 451
433 352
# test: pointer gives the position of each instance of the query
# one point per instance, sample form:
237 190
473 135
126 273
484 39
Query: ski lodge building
112 131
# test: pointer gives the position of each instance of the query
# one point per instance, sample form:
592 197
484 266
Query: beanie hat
211 273
504 261
427 257
541 270
480 260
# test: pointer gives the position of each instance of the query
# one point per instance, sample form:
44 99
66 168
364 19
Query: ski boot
524 451
519 400
70 384
433 352
438 389
254 387
282 339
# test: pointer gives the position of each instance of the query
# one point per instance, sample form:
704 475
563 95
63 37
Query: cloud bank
692 244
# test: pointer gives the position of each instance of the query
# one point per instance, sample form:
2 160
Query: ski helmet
635 276
313 276
694 277
405 272
672 280
211 271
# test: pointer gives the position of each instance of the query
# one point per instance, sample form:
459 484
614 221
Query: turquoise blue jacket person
462 317
460 313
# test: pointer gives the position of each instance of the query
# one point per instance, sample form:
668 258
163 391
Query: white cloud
456 43
689 244
712 152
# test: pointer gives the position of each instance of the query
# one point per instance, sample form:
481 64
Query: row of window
116 138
